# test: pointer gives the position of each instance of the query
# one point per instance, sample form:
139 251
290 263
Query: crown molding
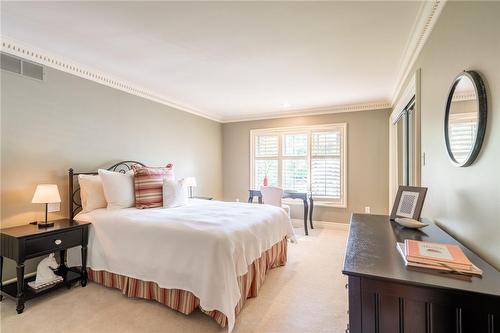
46 58
311 111
426 19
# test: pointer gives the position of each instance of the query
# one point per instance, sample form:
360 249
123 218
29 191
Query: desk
304 196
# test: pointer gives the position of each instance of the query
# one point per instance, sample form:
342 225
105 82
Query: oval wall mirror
465 119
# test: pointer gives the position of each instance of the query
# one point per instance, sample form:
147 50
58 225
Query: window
462 130
294 164
304 159
266 158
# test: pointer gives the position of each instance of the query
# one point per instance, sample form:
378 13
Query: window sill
317 203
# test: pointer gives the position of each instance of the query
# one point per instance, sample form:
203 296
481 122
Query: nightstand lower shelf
70 276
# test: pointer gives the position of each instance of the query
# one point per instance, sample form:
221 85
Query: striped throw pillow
148 183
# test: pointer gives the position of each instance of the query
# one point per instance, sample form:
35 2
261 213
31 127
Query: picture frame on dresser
409 202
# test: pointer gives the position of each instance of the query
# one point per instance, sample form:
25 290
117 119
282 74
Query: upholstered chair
271 195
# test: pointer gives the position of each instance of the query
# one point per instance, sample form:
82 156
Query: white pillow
174 193
118 188
91 193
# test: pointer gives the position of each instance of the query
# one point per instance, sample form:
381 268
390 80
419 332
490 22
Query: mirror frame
482 109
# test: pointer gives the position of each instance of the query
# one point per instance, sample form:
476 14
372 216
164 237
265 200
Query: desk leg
83 281
306 210
311 203
250 199
20 287
1 271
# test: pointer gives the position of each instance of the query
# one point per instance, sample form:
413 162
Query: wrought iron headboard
75 204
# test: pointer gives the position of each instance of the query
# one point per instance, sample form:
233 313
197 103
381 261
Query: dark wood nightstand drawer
53 242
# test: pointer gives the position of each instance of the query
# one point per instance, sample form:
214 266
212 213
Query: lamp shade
190 182
46 193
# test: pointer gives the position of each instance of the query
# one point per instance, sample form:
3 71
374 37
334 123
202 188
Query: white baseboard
298 223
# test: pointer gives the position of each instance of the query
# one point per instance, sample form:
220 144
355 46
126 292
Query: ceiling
230 60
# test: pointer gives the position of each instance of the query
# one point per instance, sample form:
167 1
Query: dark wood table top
371 252
28 230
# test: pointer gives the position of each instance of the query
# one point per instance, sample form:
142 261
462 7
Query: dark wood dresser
386 297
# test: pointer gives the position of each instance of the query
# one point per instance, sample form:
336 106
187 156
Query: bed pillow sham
118 188
91 193
148 185
174 193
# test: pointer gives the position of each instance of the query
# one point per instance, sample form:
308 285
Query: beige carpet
306 295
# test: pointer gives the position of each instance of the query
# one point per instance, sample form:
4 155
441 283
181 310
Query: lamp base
45 224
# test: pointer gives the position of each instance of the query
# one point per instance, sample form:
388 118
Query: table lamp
46 193
190 182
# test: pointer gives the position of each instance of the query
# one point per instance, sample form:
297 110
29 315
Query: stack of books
436 256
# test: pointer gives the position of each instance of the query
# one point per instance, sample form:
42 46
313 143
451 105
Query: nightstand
29 241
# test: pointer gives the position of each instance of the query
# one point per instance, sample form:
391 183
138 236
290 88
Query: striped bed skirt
185 301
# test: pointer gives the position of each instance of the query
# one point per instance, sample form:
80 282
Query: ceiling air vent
21 66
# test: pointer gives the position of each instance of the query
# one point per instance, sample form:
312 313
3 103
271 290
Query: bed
210 255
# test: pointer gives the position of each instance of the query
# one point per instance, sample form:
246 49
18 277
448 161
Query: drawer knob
58 241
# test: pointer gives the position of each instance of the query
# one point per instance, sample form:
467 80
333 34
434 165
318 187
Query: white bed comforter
202 247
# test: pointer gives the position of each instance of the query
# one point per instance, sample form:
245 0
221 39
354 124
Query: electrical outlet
367 210
53 207
237 199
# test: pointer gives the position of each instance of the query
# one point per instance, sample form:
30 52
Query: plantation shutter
462 130
326 172
266 159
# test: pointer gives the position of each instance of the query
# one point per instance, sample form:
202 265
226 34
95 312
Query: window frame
281 132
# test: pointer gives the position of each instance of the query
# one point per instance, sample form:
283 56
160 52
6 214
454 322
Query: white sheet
202 247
